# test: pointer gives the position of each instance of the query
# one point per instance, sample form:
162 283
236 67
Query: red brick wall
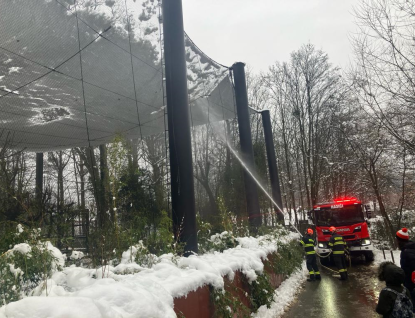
197 304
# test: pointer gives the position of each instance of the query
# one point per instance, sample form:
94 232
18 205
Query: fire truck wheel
369 256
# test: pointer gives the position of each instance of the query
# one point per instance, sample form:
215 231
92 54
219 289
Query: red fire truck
348 216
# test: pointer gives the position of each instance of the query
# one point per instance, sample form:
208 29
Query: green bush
229 221
289 258
7 235
204 232
143 257
261 291
227 305
25 266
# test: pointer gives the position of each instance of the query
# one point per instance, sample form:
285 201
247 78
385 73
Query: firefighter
308 243
338 247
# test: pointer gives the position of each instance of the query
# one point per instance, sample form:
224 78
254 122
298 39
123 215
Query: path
331 297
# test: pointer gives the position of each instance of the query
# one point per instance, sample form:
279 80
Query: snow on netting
79 73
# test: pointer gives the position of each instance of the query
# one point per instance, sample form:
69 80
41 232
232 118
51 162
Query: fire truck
348 216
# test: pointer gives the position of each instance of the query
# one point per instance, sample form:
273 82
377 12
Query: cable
52 69
132 65
74 78
77 18
202 53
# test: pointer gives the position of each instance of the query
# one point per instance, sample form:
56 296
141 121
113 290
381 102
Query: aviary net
79 73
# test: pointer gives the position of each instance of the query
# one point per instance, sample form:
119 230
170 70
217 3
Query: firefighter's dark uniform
308 243
338 247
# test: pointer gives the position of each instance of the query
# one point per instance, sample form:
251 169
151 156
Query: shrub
222 241
261 291
227 305
289 258
26 265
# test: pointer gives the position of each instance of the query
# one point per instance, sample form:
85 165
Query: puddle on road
331 297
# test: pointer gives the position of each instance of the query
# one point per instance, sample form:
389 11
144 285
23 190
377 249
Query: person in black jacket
407 248
394 278
311 261
338 247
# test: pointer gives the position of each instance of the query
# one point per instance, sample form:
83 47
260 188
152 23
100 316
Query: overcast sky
260 32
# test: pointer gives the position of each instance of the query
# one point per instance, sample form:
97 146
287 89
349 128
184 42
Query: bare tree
384 76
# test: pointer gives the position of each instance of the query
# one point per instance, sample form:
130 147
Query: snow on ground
147 292
284 295
379 258
385 255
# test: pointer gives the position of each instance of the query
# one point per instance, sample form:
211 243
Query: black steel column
180 147
39 177
247 151
272 163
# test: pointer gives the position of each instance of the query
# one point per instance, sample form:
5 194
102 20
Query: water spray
257 182
221 134
219 130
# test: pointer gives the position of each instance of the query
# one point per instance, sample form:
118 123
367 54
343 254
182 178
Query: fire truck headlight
366 242
322 245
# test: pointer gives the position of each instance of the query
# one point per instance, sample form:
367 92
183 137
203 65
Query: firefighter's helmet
332 229
310 231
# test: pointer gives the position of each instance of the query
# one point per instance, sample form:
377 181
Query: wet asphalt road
331 297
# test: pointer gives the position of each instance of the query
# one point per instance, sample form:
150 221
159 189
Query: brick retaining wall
197 304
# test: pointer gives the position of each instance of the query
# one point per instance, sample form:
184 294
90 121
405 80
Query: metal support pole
39 178
247 151
272 163
181 165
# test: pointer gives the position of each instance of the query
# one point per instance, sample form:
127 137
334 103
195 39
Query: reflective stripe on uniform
339 243
338 238
311 272
317 273
308 245
338 252
342 270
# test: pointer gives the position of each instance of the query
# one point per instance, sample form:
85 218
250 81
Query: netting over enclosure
78 73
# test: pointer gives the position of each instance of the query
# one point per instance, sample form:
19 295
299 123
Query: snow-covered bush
222 241
12 233
272 233
77 255
286 260
143 257
26 265
378 230
378 233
